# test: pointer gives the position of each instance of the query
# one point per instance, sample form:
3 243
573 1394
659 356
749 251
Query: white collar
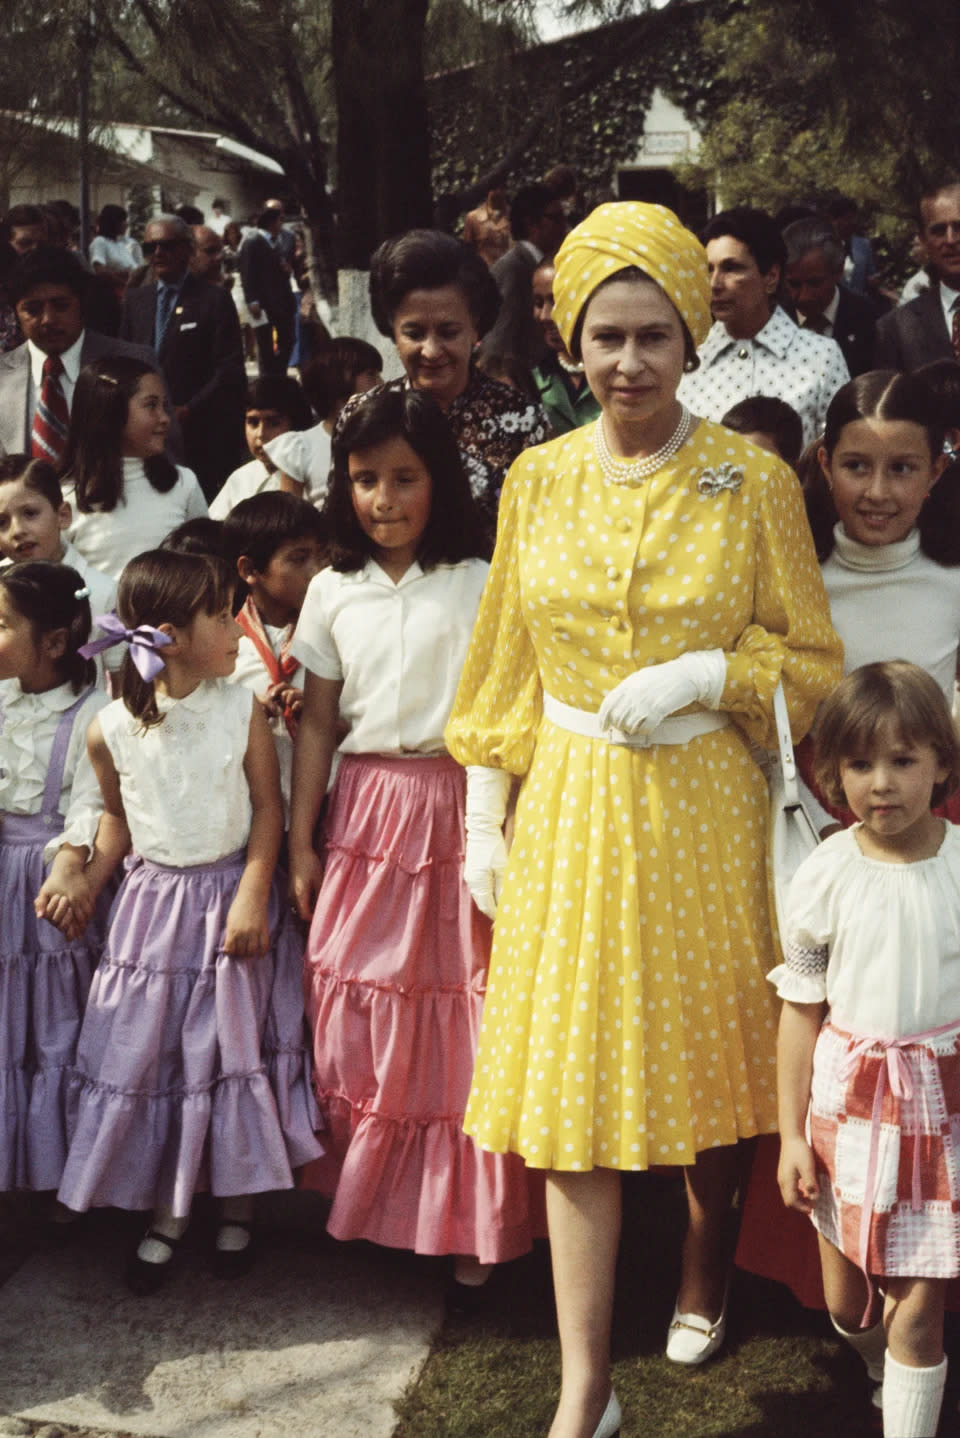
777 335
70 360
829 314
56 700
199 700
948 298
869 557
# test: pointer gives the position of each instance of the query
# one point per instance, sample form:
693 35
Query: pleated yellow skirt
628 1021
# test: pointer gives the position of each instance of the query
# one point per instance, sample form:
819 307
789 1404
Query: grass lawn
782 1375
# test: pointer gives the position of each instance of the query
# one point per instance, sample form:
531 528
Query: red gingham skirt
914 1228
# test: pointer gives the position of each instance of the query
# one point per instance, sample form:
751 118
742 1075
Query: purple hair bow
145 641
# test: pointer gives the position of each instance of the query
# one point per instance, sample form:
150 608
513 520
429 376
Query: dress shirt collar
199 700
829 315
70 359
371 573
948 298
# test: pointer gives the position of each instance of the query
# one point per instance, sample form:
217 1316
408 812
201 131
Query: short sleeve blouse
398 648
880 943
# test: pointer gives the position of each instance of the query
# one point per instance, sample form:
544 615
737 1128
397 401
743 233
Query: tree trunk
383 146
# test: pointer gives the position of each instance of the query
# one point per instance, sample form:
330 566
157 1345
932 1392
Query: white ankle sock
912 1399
152 1250
869 1343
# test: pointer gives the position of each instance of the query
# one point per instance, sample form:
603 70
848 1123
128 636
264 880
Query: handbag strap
788 764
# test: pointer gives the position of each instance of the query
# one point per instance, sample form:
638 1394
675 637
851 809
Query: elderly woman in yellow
654 577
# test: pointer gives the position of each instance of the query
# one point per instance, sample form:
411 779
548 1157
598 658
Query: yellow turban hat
628 234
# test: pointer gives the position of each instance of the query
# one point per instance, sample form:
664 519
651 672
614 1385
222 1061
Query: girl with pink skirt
397 955
191 1071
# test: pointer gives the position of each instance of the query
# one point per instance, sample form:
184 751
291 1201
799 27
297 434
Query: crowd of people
385 811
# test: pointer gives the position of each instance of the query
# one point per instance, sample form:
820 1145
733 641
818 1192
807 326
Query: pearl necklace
620 471
569 365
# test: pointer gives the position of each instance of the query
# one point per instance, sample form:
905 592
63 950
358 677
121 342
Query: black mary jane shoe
143 1278
234 1262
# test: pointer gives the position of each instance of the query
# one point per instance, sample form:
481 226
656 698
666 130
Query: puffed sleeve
81 801
499 700
791 637
802 977
313 643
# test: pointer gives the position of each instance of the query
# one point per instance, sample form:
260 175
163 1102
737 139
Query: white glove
643 700
485 856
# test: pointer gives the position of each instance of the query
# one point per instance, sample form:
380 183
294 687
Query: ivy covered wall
477 113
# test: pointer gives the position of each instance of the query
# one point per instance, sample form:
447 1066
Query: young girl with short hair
190 1069
397 954
869 1046
47 699
126 493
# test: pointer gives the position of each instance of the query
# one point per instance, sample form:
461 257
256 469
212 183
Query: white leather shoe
609 1425
692 1339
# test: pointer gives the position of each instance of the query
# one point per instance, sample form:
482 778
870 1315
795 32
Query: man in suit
194 329
266 289
48 288
538 224
823 302
928 328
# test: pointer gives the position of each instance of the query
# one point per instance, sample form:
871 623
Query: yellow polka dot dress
628 1021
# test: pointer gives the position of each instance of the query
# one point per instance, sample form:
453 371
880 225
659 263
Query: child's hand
797 1175
306 876
286 696
248 933
65 900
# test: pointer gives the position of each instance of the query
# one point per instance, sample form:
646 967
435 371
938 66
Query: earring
689 365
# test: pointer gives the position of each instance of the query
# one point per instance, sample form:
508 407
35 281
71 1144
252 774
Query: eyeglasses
149 247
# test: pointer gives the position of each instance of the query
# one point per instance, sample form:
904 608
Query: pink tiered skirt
396 974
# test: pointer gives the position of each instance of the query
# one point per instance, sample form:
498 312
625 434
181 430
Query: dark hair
200 535
93 459
771 416
454 529
46 595
634 275
840 205
885 394
36 474
165 587
753 228
429 260
20 216
268 217
849 720
331 378
47 265
527 206
189 214
280 392
111 220
258 526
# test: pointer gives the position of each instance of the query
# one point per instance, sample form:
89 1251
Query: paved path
320 1339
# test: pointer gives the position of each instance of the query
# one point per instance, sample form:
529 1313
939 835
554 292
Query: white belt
678 729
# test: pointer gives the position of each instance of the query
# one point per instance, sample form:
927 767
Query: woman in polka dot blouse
654 578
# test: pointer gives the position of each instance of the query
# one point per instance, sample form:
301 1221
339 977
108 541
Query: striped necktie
166 298
955 331
51 418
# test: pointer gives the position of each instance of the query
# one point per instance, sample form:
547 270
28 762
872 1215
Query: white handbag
793 834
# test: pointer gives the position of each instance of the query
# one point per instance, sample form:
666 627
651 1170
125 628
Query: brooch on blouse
725 476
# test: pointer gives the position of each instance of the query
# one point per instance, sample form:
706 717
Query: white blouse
251 672
304 455
880 942
142 519
399 649
28 727
890 601
184 790
250 479
120 254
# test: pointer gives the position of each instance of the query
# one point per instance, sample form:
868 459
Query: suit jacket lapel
14 438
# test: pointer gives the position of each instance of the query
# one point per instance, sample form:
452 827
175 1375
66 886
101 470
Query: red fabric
51 419
282 669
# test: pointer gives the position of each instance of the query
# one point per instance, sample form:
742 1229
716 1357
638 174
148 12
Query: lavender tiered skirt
44 982
192 1071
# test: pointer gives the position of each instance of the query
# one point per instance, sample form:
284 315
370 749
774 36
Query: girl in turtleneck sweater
125 493
885 515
